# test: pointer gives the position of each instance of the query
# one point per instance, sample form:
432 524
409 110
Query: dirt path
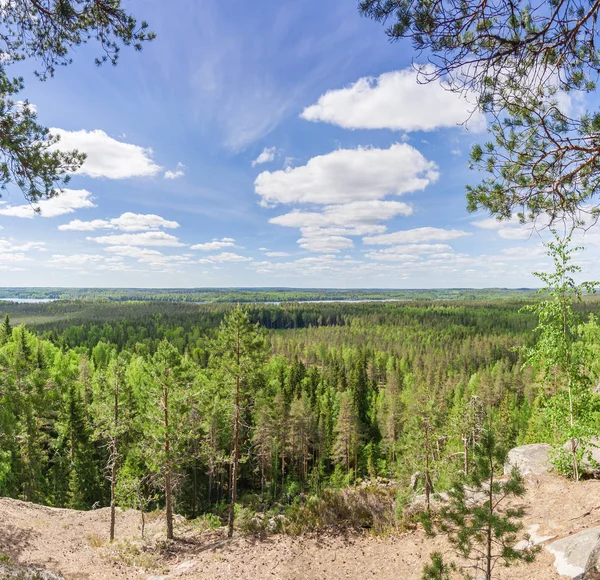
74 544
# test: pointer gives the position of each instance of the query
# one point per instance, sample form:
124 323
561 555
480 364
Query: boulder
532 459
18 572
533 539
573 553
592 568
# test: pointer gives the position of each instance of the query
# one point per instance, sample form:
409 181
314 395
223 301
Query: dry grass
95 540
131 554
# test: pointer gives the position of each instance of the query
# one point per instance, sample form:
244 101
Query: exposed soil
74 544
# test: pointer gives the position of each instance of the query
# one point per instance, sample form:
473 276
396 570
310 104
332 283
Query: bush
365 508
207 522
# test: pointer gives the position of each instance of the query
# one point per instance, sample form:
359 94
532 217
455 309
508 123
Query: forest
195 409
255 295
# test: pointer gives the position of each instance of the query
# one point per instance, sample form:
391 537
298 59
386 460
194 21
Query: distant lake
28 300
338 300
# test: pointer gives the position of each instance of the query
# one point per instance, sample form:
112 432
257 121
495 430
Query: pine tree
110 415
165 408
5 330
480 527
347 434
239 351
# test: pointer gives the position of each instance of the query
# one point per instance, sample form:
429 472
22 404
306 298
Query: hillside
73 543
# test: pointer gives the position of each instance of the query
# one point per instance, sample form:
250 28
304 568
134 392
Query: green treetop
47 31
519 62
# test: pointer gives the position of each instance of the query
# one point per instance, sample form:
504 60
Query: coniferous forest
194 408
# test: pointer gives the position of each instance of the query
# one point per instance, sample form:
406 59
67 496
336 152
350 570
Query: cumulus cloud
349 175
326 243
107 157
153 258
410 252
215 245
7 246
75 260
325 230
143 239
415 235
394 100
15 253
226 257
355 218
178 172
127 222
511 229
276 254
66 202
267 155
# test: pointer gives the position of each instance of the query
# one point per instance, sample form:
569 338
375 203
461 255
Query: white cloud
153 258
357 218
144 239
107 157
215 245
267 155
24 104
75 260
410 252
394 100
416 235
326 243
127 222
16 258
276 254
179 171
512 229
7 246
225 257
348 175
66 202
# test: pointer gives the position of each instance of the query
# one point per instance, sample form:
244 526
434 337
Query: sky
262 144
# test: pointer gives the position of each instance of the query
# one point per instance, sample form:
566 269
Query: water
29 300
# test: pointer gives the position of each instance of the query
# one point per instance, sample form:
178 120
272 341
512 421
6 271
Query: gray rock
573 552
592 568
533 539
533 459
9 571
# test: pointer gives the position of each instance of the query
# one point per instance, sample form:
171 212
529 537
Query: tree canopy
47 31
522 63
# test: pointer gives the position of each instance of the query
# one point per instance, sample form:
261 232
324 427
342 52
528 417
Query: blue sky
261 144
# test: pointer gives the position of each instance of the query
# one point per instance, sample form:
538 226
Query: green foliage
521 64
562 360
330 396
480 527
48 32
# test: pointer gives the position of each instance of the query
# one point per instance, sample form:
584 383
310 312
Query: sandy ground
74 544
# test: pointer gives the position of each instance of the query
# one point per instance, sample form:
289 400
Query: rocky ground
74 544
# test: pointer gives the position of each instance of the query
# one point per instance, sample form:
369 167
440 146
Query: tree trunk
168 505
427 468
236 456
488 571
113 467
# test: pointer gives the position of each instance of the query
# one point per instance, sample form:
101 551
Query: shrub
365 508
207 522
